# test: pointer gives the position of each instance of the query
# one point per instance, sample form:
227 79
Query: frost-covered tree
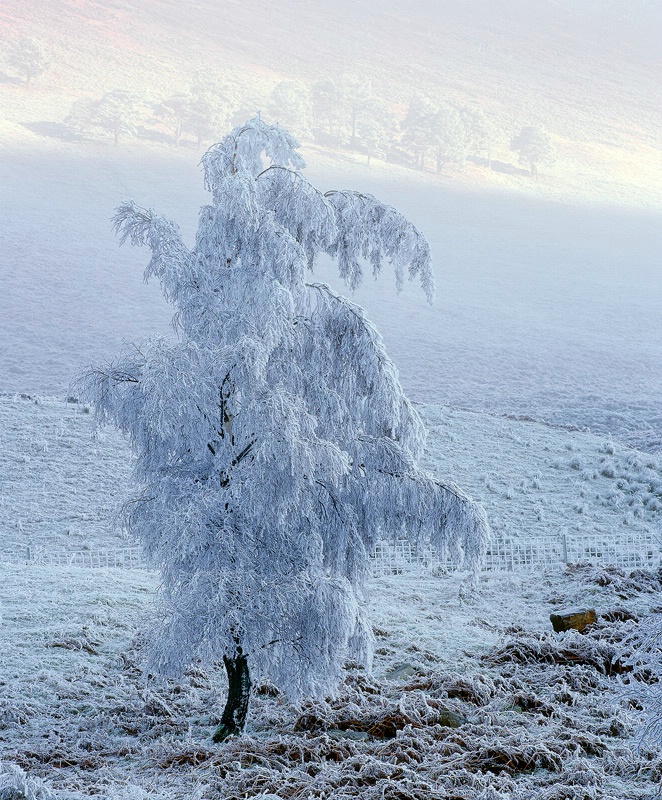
358 102
116 112
480 131
325 102
449 136
274 443
173 112
533 146
290 106
201 111
341 108
440 130
376 134
81 115
416 128
208 109
29 58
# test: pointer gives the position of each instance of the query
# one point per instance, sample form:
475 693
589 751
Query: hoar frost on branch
275 445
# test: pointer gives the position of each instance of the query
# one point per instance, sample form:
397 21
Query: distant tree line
346 113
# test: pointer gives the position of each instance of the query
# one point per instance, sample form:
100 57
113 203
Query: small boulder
355 736
449 719
402 672
575 618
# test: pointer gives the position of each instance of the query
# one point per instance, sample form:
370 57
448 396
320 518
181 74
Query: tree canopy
533 146
29 58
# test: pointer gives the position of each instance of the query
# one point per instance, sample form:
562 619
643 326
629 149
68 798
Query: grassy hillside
539 715
588 71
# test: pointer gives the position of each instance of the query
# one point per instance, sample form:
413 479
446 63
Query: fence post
564 543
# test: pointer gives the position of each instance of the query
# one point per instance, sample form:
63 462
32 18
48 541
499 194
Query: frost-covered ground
546 308
62 482
541 715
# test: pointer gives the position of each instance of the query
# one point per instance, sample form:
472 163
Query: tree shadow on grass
153 135
12 79
498 166
54 130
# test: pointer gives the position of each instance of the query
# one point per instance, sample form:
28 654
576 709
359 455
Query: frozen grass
508 710
538 714
62 482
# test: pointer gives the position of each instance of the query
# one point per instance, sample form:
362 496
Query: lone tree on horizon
533 146
275 445
29 58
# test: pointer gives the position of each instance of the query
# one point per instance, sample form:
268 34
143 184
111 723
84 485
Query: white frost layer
70 638
62 482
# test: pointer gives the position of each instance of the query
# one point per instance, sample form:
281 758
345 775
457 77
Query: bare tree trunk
239 688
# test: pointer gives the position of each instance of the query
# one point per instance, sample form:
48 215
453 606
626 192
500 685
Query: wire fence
505 553
118 557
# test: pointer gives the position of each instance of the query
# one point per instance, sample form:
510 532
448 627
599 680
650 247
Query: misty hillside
540 309
587 71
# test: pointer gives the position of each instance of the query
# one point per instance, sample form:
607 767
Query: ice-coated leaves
170 258
374 231
275 444
300 208
242 151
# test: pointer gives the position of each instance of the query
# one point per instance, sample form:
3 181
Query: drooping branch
241 152
374 231
299 207
170 260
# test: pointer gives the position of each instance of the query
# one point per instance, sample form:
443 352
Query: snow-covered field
540 313
548 309
544 308
543 715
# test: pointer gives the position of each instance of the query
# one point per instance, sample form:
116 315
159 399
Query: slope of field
62 481
544 308
588 71
581 57
549 291
541 715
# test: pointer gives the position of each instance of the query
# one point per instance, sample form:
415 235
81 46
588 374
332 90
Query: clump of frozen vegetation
275 445
535 714
16 785
636 480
